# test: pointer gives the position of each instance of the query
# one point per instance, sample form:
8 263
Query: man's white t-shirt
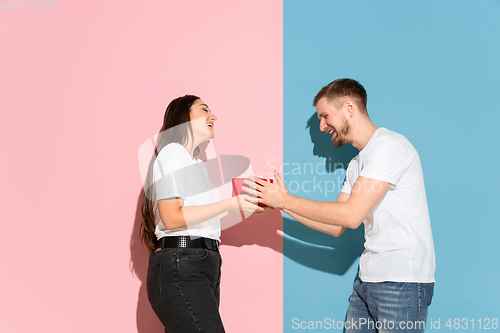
399 245
177 175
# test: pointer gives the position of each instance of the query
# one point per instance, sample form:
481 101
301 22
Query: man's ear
350 106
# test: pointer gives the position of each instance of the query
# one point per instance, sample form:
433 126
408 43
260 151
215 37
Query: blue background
431 72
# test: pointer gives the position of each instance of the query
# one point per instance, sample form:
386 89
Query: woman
182 212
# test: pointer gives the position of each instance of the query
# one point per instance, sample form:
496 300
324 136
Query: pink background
81 88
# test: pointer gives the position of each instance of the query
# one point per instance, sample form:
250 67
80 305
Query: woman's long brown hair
177 113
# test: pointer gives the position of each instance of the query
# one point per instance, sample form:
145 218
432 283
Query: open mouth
211 125
332 132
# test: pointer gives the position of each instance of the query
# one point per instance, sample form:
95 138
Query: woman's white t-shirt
398 236
177 175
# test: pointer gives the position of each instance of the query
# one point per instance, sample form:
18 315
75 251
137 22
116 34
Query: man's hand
273 195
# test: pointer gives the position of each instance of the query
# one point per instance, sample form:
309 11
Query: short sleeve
347 186
386 161
170 172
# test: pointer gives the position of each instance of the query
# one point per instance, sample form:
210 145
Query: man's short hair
344 88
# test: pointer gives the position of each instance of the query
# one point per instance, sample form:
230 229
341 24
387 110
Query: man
384 189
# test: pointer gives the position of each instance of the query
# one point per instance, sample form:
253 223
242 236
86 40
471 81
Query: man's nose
322 125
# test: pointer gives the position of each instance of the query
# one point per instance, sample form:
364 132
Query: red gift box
238 184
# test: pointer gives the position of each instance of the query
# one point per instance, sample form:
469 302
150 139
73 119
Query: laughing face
202 120
333 121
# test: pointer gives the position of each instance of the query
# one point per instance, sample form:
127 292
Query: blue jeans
388 307
183 287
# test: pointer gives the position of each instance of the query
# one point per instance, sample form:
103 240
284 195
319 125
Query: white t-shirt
177 175
399 245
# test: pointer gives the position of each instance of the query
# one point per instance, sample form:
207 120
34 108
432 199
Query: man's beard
340 138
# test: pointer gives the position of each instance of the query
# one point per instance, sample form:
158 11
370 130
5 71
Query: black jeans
183 286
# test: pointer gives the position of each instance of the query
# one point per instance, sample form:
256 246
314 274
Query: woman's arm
174 215
227 215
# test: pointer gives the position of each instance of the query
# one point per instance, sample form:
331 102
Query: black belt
188 241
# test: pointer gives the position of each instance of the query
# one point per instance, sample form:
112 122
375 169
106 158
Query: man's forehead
326 105
323 106
320 113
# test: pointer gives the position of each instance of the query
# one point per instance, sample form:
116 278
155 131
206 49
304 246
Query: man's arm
329 229
366 193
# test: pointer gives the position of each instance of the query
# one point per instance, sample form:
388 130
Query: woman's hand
244 204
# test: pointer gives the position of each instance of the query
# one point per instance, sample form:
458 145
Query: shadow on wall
335 158
319 251
299 243
314 249
139 256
